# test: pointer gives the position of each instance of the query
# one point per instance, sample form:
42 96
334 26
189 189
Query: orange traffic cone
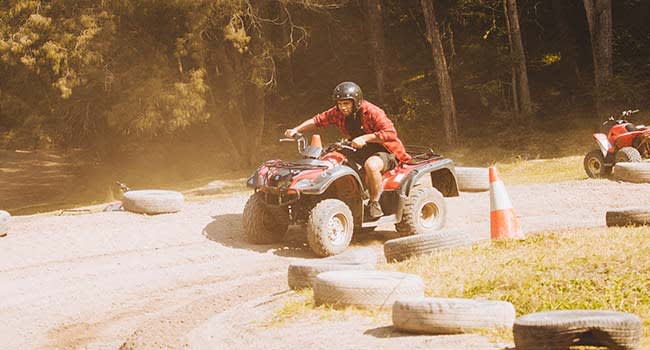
315 141
503 220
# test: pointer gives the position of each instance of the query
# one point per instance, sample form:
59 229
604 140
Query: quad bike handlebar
339 145
621 118
297 137
335 146
629 112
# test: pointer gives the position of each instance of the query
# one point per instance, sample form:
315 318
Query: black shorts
372 149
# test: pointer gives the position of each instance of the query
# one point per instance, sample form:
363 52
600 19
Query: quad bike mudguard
603 143
449 188
416 174
321 183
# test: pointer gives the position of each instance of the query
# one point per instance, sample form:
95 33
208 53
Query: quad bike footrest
388 219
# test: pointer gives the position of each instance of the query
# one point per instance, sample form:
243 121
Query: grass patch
542 170
302 304
595 268
298 304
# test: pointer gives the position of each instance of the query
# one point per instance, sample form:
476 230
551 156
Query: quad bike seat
419 154
631 127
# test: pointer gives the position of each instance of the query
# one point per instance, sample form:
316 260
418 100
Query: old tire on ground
263 224
632 172
399 249
152 201
472 179
451 315
4 223
369 289
627 155
424 212
567 328
628 216
330 227
303 274
594 164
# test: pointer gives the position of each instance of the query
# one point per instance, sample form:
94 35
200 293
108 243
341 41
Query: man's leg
373 167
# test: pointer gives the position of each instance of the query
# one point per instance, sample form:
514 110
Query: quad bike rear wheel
424 212
627 155
594 164
330 227
642 143
264 224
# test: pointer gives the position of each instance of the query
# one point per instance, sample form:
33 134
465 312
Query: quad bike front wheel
264 224
627 155
424 212
330 227
594 164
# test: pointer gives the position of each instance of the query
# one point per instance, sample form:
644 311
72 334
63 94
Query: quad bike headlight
304 183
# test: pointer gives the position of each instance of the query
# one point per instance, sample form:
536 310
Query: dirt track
187 280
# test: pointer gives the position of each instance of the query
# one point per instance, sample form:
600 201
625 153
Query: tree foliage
131 72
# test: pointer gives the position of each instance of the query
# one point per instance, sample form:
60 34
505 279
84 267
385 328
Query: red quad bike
327 195
624 142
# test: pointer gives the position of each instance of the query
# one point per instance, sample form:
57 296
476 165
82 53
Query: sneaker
374 210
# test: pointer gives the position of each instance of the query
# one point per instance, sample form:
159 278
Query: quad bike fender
321 183
256 179
443 178
603 143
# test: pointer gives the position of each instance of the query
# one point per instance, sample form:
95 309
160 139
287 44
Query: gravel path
117 280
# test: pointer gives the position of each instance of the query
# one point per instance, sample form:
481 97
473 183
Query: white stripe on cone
499 197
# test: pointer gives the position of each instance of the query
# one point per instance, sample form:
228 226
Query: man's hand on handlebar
291 132
359 142
342 144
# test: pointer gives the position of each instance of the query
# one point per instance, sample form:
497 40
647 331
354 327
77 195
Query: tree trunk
221 130
599 17
256 107
233 81
287 33
375 32
565 35
226 84
519 58
447 103
513 70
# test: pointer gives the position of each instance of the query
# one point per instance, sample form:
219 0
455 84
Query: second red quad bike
624 142
327 195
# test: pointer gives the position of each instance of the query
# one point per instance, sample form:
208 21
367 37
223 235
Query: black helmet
348 90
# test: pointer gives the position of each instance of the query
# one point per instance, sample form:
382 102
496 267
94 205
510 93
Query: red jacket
373 120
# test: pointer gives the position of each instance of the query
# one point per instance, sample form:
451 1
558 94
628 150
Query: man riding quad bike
324 190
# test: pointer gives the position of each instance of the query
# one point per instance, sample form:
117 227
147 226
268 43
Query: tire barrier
472 179
152 201
402 248
366 289
451 315
568 328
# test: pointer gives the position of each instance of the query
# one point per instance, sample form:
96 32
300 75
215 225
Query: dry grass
543 170
302 304
578 269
